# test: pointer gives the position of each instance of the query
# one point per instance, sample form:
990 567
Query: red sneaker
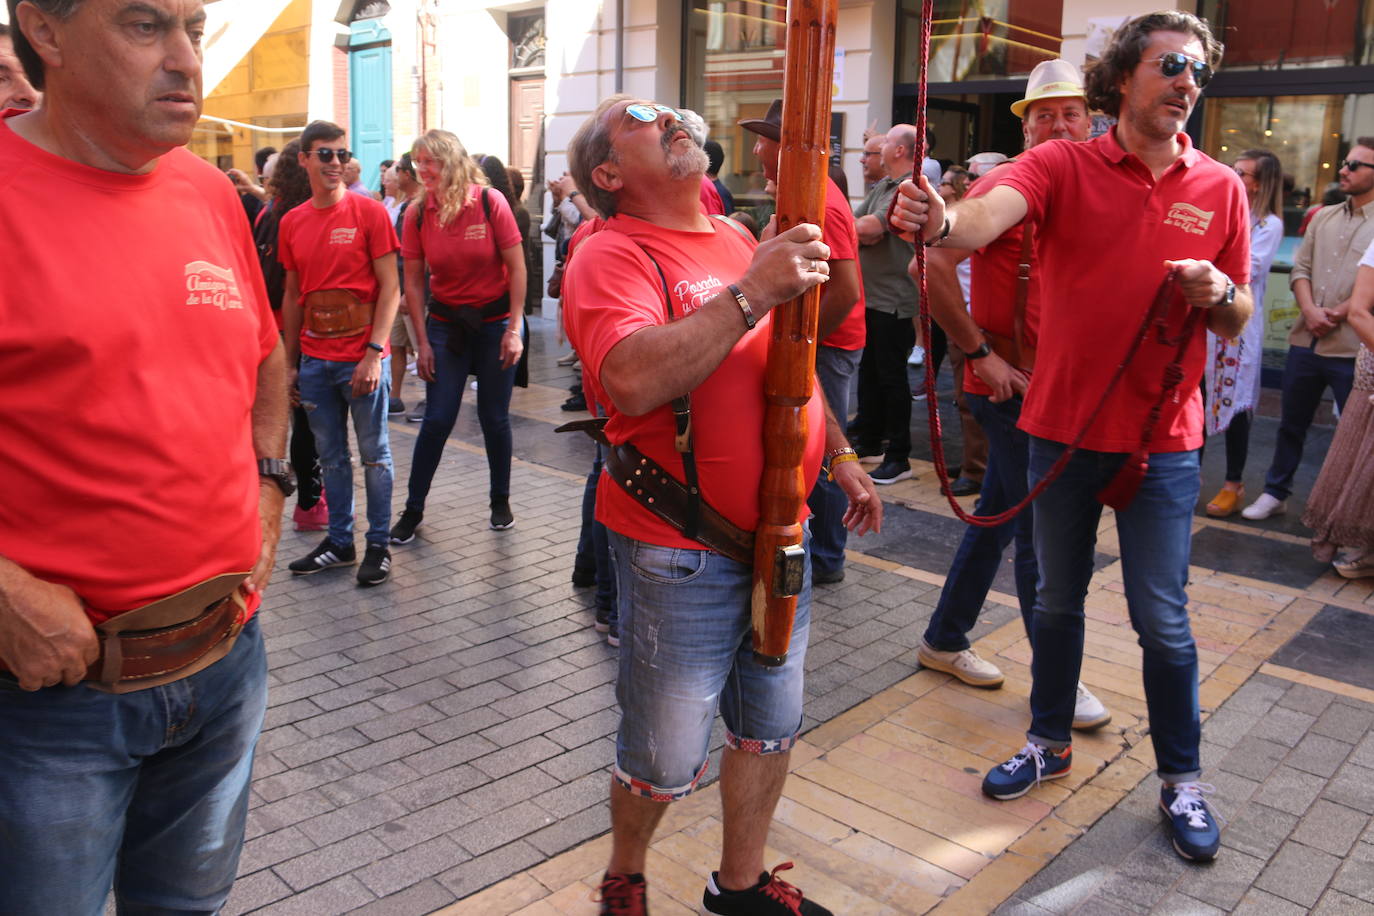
623 895
315 518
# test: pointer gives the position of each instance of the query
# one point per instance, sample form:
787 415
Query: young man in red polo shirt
1114 216
342 292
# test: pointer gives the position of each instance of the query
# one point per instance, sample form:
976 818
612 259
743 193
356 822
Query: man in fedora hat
1116 218
997 335
840 338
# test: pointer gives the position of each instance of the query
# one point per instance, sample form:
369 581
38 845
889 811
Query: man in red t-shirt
839 341
662 304
996 374
342 293
136 535
1113 217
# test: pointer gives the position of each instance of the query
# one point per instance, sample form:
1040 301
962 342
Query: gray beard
690 162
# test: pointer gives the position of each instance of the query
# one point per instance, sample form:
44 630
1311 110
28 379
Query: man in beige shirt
1321 346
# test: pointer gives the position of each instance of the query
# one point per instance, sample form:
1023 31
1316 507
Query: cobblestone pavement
449 731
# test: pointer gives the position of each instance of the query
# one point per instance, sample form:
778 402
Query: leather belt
648 484
175 637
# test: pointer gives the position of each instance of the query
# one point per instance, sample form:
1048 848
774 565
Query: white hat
1051 79
984 162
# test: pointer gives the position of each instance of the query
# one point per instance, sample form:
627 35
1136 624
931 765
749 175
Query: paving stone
1283 726
285 812
425 824
1015 906
588 728
1311 700
425 897
1344 723
1334 903
1356 876
577 795
379 752
253 891
1256 696
449 754
1253 758
1290 790
514 731
1258 830
309 776
1070 879
517 756
1228 725
1226 880
319 748
1177 904
1119 895
415 694
497 794
496 830
1298 873
342 895
1319 754
1259 903
339 719
489 868
341 858
1352 786
422 793
1331 827
543 696
568 832
404 720
352 819
370 782
278 846
418 863
594 756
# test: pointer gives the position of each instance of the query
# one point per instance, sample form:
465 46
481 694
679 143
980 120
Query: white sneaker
917 357
967 665
1264 507
1088 711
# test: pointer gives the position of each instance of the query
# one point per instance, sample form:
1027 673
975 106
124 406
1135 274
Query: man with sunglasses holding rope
1115 216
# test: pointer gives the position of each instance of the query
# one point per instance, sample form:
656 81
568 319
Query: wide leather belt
648 484
331 313
169 639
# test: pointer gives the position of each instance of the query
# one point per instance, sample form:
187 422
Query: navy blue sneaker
1026 769
1192 822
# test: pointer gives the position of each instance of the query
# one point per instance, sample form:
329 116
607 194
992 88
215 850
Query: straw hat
1051 79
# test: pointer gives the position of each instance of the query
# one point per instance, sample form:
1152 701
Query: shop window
979 39
1291 33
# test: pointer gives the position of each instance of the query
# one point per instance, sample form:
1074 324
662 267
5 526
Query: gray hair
590 147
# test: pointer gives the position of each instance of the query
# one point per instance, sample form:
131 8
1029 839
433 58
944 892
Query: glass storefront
979 39
1278 34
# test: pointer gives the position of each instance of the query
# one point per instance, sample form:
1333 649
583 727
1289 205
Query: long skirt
1340 510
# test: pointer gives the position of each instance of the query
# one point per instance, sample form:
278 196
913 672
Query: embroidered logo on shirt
692 296
342 236
475 233
209 284
1189 218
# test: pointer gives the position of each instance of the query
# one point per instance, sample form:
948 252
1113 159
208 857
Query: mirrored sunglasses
647 113
327 155
1175 62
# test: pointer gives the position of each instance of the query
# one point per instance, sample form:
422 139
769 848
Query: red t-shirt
333 248
993 285
1104 229
464 257
612 290
710 198
839 233
133 320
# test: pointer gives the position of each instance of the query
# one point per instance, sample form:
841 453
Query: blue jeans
1155 533
147 791
1305 377
444 396
834 370
980 552
327 396
593 543
686 649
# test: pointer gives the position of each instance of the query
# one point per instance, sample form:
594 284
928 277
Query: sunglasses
1175 62
1353 165
647 113
327 155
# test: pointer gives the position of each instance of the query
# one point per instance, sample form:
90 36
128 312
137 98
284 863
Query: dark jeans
1155 533
444 396
1238 445
1306 376
305 460
834 371
884 394
980 552
593 544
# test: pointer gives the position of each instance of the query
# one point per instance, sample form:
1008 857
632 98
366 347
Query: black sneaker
613 635
501 517
395 406
603 620
326 555
890 472
403 532
583 578
376 566
770 896
623 895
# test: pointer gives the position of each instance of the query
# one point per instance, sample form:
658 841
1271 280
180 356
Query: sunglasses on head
1175 62
327 155
1354 165
647 113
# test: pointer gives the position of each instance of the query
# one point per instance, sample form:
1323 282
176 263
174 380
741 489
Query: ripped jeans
327 396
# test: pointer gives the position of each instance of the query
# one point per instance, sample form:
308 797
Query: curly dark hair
1103 77
290 183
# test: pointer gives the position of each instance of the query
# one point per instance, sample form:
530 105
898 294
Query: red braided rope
1159 307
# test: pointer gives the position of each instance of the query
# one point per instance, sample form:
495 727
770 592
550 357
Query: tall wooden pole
802 175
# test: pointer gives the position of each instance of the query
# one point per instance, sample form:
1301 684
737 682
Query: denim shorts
686 651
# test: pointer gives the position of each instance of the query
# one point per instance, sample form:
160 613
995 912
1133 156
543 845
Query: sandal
1225 502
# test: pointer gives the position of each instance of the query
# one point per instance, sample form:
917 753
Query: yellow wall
268 87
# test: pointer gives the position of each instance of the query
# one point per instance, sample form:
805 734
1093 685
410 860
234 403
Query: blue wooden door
369 97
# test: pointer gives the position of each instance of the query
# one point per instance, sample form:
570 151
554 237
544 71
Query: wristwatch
1227 298
279 472
983 350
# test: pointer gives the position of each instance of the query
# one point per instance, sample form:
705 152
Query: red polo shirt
1105 227
839 233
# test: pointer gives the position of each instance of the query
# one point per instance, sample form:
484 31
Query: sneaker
1026 769
376 566
603 620
417 414
1088 711
567 359
890 472
963 486
316 518
403 532
623 895
326 555
583 578
1354 567
827 578
967 665
613 635
501 517
576 402
917 357
870 454
1192 822
1264 507
395 406
770 896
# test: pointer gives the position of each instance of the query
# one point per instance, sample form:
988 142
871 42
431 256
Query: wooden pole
803 173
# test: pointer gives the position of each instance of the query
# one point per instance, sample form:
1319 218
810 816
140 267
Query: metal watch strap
749 318
278 471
